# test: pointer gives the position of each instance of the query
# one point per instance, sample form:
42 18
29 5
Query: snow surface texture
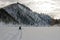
30 33
24 15
10 33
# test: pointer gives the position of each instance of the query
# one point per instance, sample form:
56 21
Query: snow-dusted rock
24 15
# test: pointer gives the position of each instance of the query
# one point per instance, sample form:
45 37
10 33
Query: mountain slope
24 15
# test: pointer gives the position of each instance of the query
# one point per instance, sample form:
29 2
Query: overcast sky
40 6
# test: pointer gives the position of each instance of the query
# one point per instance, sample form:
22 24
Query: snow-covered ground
12 32
41 33
9 33
30 33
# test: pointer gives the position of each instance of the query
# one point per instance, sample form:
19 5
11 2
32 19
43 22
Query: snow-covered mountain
24 15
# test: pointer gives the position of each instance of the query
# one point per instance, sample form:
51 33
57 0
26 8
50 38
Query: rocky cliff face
24 15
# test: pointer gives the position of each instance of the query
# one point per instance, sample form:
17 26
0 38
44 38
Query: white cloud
2 4
44 6
9 0
5 2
